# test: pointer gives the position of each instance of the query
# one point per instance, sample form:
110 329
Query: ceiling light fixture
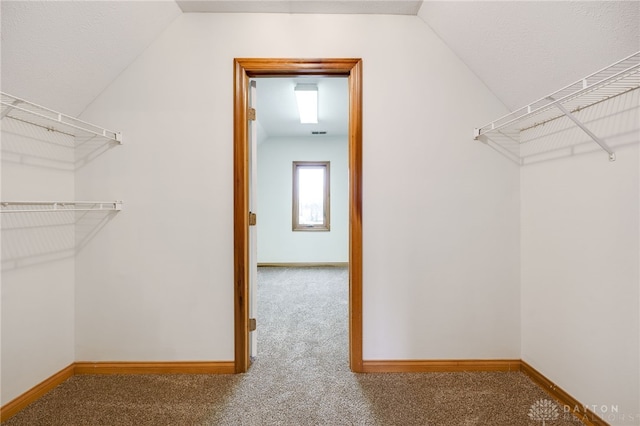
307 98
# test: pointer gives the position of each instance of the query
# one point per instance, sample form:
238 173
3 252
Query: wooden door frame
245 68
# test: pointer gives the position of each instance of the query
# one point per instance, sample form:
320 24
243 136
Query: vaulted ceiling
524 50
64 54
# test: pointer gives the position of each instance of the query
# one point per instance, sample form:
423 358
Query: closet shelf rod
61 206
56 117
520 115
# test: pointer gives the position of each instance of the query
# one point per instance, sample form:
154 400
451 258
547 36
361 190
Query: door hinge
252 324
251 114
253 219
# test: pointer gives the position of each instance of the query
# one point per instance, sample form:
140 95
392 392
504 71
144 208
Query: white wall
277 243
37 258
441 219
580 261
440 222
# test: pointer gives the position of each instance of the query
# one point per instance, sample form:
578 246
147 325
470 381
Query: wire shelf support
615 80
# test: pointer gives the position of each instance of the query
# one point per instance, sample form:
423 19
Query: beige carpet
300 377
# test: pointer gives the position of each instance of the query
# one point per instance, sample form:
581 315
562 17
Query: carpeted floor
300 377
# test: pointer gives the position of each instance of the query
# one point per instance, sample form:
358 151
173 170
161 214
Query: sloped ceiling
524 50
62 54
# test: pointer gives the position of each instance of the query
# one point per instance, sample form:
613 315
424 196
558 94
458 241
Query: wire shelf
24 111
620 78
58 206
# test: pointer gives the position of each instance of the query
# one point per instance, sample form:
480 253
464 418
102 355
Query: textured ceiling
391 7
62 54
523 51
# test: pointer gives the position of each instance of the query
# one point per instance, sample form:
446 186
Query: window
311 196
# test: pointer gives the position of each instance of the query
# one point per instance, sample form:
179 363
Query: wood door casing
244 68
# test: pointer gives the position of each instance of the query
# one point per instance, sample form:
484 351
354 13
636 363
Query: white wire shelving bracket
617 79
58 206
21 110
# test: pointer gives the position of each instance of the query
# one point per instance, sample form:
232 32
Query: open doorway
302 228
244 69
302 173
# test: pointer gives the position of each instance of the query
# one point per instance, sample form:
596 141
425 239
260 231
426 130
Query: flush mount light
307 98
